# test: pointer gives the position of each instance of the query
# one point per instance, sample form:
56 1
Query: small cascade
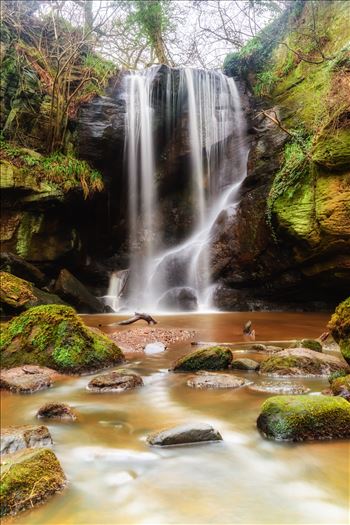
205 107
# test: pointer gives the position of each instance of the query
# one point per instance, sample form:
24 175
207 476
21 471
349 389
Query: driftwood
139 317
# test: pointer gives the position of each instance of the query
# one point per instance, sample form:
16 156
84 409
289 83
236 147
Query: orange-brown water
115 478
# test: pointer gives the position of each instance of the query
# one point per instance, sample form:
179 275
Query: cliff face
290 241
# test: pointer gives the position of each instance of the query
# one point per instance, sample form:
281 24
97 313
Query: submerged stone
212 358
301 362
26 436
29 477
299 418
116 381
216 381
56 411
279 387
56 337
184 435
26 379
245 364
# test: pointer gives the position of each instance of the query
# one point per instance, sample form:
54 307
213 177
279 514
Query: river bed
114 477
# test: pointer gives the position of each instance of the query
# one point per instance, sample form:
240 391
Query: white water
209 105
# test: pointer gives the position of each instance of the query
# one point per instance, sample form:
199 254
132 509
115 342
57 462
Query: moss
213 358
56 337
339 326
332 149
301 364
299 418
27 478
15 291
30 224
340 386
311 344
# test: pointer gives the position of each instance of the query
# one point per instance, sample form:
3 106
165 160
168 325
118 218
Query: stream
115 477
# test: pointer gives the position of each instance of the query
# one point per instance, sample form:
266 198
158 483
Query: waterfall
160 102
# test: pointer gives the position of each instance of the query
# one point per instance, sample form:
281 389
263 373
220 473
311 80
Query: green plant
265 82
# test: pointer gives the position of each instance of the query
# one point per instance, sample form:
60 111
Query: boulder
17 294
269 349
299 418
154 348
11 263
301 362
279 387
29 477
340 386
56 337
56 411
339 327
311 344
212 358
179 298
216 381
76 294
27 379
245 364
184 435
26 436
116 381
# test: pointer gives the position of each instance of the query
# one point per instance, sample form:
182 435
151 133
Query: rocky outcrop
212 358
76 294
216 381
184 435
27 379
340 386
29 477
19 267
245 364
28 436
300 418
339 326
301 362
116 381
56 337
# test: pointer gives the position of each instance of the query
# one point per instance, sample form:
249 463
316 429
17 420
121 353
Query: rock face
278 387
213 358
76 294
245 364
339 326
216 381
29 477
341 387
55 336
18 266
301 362
299 418
56 411
26 379
28 436
17 294
179 298
184 435
117 381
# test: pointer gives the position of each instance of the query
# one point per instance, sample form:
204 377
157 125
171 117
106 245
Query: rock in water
179 298
56 337
301 362
299 418
56 411
245 364
339 326
154 348
116 381
311 344
26 436
212 358
340 386
29 477
184 435
216 381
279 387
26 379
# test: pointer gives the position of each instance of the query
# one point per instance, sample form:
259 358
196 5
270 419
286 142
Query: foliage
65 171
264 83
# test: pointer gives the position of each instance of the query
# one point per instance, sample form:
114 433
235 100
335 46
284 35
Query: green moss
289 365
15 291
56 337
213 358
298 418
29 225
27 478
340 386
332 149
339 326
312 344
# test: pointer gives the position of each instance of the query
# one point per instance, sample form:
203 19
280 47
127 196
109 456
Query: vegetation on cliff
339 326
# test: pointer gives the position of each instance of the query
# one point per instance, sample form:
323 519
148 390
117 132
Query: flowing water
114 477
207 104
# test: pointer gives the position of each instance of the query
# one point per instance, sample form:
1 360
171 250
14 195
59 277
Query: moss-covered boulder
311 344
56 337
301 362
27 478
18 294
339 327
213 358
340 386
299 418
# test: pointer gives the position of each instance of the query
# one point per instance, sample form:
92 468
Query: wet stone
26 379
116 381
279 387
216 381
56 411
154 348
184 435
27 436
245 364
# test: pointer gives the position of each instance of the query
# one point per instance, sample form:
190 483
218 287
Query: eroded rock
184 435
27 379
339 326
26 436
116 381
216 381
56 411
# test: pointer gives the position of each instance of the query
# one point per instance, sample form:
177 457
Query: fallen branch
139 317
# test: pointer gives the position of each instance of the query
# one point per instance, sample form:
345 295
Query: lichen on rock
339 326
213 358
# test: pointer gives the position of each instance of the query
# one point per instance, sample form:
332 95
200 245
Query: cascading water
207 104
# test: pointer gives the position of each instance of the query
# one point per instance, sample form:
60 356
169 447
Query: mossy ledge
300 418
27 478
213 358
339 326
56 337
